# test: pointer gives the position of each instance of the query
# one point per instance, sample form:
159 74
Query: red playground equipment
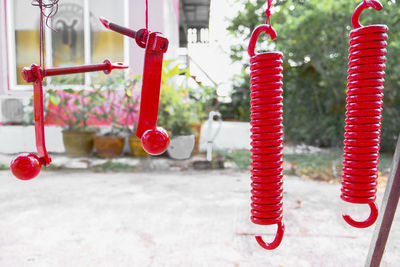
363 117
155 140
267 135
26 166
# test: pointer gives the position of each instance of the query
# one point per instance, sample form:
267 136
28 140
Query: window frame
11 66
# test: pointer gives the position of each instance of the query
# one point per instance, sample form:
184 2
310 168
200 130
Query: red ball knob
155 141
26 166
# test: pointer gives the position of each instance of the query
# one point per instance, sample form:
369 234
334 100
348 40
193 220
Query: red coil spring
363 117
267 138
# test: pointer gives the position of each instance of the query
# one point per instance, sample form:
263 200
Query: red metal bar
156 46
140 36
27 166
30 76
118 28
155 140
39 119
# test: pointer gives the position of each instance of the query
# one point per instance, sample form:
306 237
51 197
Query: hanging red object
27 166
155 140
267 136
363 116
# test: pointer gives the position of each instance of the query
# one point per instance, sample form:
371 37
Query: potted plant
130 106
73 109
177 113
110 144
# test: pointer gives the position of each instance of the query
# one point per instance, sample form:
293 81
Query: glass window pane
68 42
106 44
26 22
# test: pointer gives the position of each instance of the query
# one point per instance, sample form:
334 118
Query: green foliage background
313 36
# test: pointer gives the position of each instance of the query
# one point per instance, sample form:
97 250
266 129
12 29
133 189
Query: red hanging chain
268 12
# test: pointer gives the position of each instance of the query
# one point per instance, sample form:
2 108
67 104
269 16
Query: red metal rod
140 36
71 70
118 28
30 76
27 166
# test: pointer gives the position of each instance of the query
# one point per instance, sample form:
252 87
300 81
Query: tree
313 36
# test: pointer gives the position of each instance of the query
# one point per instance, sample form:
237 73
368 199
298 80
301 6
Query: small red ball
26 166
155 141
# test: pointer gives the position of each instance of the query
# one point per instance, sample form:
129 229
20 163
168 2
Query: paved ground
171 219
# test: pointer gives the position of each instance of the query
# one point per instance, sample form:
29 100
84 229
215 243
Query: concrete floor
172 219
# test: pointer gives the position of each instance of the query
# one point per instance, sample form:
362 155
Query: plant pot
181 146
109 146
136 147
78 144
197 128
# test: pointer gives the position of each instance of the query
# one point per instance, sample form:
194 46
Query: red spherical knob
155 141
26 166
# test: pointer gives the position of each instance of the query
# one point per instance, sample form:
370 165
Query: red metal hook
26 166
155 140
268 29
278 238
368 222
355 19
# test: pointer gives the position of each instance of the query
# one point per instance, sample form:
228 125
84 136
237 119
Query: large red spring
267 137
363 117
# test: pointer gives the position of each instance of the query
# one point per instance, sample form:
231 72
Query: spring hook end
355 19
368 222
276 242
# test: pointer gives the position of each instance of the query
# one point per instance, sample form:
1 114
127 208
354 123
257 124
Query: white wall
233 135
3 49
162 18
16 139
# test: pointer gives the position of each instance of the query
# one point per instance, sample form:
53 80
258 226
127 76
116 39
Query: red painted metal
155 46
363 117
267 137
25 166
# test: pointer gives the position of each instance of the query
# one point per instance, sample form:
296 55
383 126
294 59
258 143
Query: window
198 35
80 38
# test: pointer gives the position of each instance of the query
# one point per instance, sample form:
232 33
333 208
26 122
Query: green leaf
55 99
69 91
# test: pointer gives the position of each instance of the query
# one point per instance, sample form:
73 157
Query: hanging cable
147 15
268 12
47 11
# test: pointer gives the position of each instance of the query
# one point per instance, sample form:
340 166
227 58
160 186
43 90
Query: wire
268 12
52 7
147 15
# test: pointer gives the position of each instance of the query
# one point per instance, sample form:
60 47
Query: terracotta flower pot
136 147
109 146
197 128
78 144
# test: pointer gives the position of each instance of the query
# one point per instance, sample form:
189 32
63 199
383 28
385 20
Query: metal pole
388 210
